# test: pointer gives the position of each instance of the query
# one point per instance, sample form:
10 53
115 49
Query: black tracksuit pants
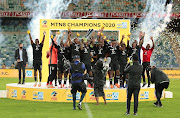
131 91
158 90
146 67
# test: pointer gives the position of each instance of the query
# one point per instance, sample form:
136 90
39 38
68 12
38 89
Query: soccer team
89 51
80 55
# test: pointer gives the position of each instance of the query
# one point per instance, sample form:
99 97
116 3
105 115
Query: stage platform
29 92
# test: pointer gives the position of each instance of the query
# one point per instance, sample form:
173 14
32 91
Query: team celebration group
91 58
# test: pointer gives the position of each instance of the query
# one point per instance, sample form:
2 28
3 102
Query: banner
64 95
110 25
72 14
172 74
14 73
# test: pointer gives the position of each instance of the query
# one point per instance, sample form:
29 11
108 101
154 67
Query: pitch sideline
88 110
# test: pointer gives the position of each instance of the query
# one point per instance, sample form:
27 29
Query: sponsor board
54 95
144 95
37 95
112 95
116 25
14 73
64 95
23 93
14 93
122 25
44 23
91 95
70 96
76 14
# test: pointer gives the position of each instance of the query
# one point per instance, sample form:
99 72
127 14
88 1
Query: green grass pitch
31 109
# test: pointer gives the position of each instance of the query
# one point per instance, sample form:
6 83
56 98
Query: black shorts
146 65
81 87
53 69
88 66
37 64
122 67
60 68
98 90
114 65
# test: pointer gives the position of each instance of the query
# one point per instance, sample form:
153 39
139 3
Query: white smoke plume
1 39
43 9
157 18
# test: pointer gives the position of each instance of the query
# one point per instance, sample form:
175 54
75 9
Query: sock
35 78
50 83
65 79
117 76
110 80
74 100
40 78
121 82
82 97
59 80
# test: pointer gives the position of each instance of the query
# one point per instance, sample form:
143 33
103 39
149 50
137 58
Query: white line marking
88 110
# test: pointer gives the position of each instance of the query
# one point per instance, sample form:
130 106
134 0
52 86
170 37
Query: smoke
157 18
1 38
1 35
43 9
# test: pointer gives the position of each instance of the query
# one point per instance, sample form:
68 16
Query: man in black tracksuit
134 81
77 69
161 81
99 81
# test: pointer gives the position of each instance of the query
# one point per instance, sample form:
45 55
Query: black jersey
67 53
100 51
75 49
37 51
85 54
132 51
61 51
123 57
113 52
93 53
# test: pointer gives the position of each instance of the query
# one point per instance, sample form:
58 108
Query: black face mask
20 47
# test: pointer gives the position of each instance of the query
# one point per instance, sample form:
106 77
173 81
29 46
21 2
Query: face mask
20 47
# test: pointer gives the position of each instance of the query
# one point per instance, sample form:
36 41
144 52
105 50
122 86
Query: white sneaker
35 84
65 86
39 85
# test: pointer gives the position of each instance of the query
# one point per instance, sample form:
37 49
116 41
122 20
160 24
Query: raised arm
152 42
30 37
69 37
93 39
53 41
141 38
122 39
61 42
81 46
44 34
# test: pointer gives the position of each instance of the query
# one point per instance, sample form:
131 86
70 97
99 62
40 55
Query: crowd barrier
13 73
